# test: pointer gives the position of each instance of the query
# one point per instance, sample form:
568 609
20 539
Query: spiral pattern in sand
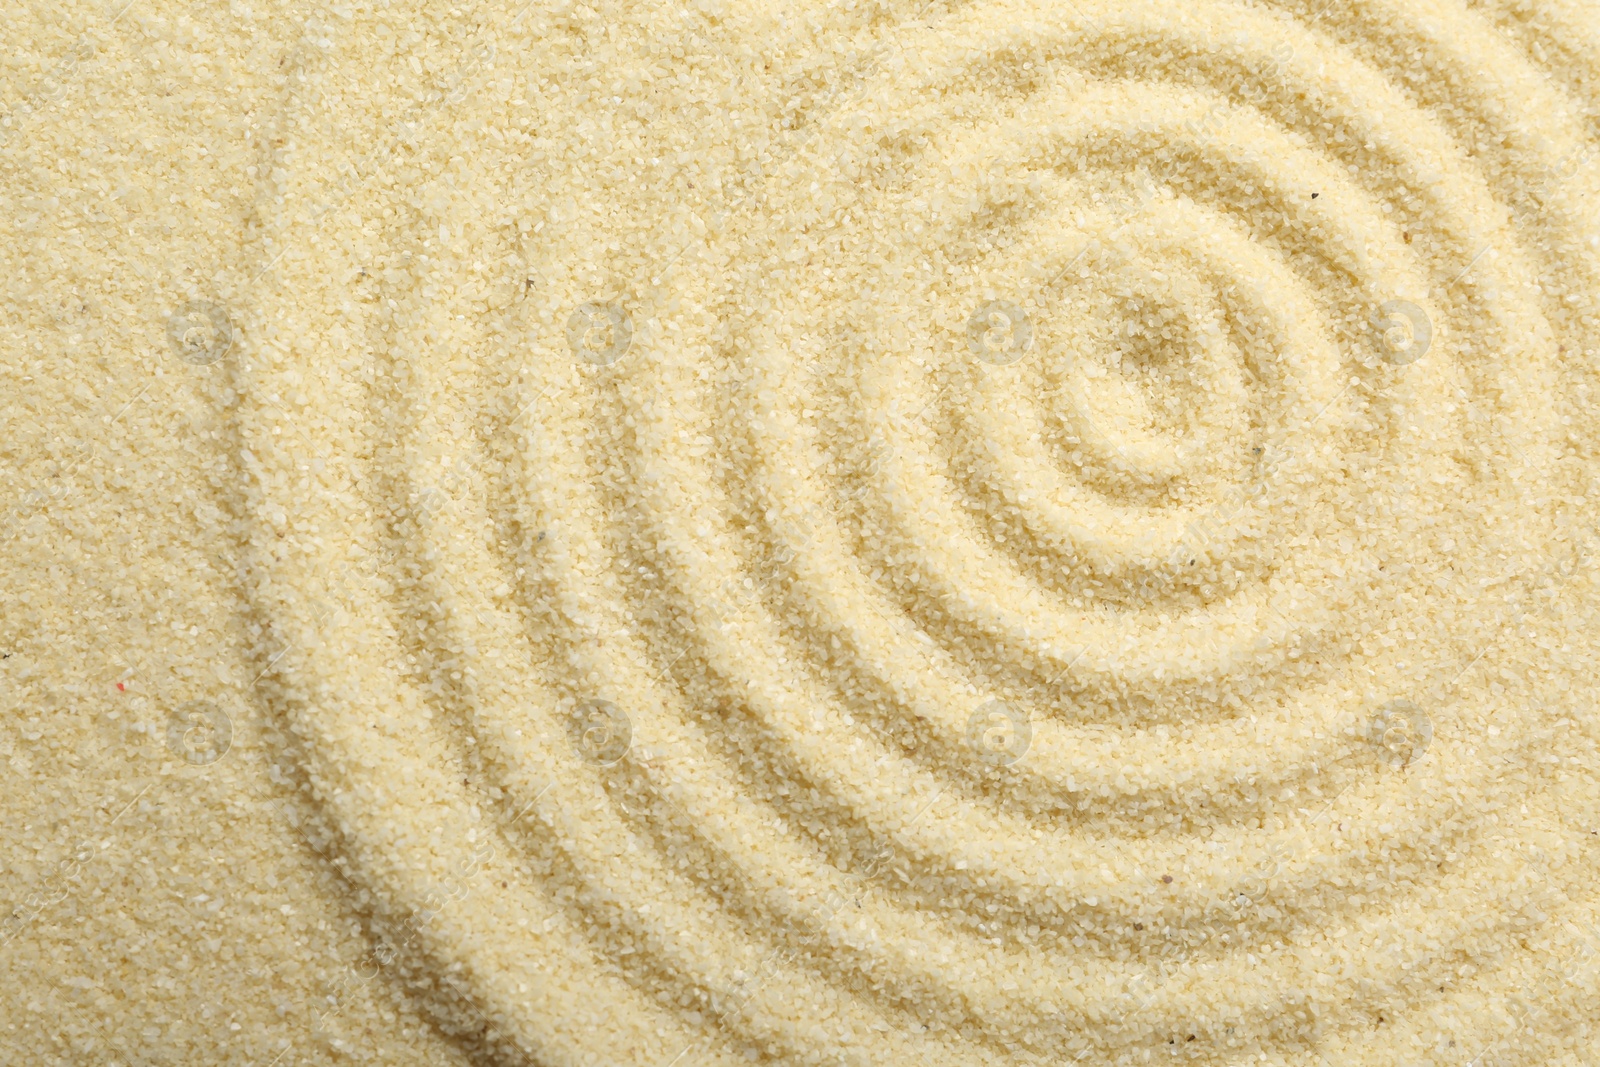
1003 533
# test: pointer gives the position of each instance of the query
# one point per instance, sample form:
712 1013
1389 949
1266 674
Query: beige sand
813 534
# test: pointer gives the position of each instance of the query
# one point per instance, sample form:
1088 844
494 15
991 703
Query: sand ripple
1006 533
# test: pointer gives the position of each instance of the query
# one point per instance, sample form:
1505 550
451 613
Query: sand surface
898 533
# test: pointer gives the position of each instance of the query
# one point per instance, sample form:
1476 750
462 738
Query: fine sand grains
949 534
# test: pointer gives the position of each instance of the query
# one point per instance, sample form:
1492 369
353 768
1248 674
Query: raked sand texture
903 533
